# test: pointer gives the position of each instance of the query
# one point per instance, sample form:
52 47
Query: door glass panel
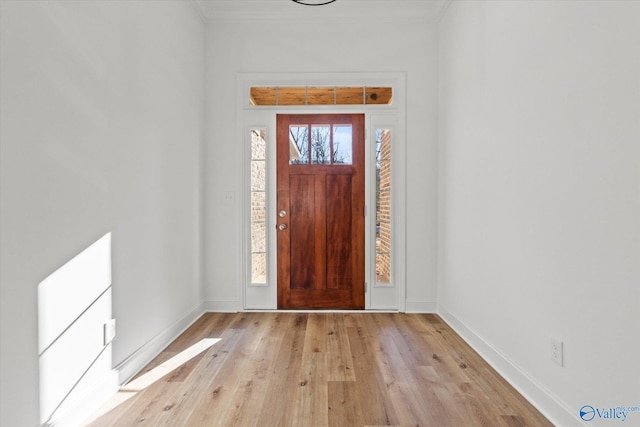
342 143
321 96
292 96
263 96
257 173
258 268
258 145
298 145
349 95
383 206
378 95
258 207
321 144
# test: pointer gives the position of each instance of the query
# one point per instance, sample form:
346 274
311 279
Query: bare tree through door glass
320 144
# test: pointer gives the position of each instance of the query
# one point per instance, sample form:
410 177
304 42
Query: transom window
320 95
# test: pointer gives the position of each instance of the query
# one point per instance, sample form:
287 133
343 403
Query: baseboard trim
221 305
538 395
148 351
416 305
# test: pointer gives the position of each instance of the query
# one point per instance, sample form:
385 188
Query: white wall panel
101 105
539 203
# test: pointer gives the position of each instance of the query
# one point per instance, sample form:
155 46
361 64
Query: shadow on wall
74 306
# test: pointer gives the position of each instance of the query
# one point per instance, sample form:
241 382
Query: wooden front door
320 203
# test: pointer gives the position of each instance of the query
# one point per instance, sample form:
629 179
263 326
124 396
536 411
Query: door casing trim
388 298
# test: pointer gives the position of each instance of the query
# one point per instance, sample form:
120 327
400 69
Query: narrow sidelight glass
383 206
258 207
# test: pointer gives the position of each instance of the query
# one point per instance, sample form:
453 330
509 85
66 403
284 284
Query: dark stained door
320 203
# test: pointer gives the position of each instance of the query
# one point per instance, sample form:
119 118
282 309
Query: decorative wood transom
320 95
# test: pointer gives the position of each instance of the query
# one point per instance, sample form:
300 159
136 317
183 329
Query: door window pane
321 144
298 145
342 143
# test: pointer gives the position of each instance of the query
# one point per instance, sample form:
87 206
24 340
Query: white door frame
378 297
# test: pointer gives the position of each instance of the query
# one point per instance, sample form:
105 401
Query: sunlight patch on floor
132 388
163 369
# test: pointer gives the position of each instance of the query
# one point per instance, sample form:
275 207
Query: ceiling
340 11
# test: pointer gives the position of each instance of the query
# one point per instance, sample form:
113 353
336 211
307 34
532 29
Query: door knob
282 214
282 227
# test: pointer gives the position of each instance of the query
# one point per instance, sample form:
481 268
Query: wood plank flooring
322 369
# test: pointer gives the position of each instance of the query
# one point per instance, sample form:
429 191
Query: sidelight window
383 206
258 207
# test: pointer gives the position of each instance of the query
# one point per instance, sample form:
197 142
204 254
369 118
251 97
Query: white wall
539 207
317 47
101 109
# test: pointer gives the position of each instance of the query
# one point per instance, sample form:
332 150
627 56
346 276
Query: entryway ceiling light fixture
313 2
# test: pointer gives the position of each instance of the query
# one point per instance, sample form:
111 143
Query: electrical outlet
556 351
109 329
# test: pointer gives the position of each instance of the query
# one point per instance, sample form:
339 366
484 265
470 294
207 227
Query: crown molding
347 11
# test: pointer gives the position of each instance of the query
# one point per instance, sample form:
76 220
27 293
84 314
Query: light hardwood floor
319 369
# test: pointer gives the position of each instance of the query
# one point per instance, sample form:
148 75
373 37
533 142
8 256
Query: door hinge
365 210
366 287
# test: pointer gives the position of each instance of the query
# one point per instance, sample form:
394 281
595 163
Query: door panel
304 228
339 259
320 198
